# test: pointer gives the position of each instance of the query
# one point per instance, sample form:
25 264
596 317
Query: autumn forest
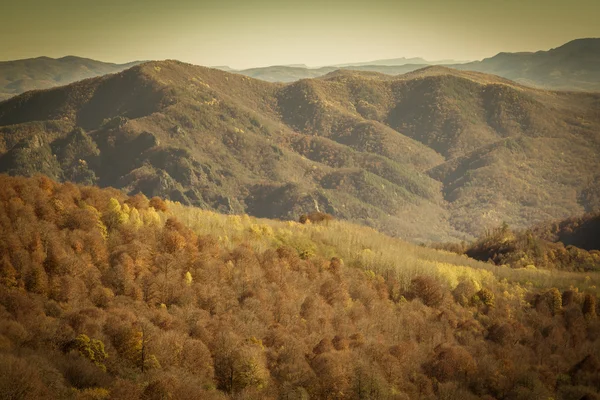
108 296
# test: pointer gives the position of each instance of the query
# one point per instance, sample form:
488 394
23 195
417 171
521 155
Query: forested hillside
569 245
108 296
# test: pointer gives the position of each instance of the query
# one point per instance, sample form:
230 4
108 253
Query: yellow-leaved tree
115 215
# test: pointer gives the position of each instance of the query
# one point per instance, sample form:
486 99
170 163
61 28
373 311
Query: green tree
92 349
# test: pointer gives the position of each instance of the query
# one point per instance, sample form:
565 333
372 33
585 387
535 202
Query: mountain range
435 154
572 66
397 62
291 73
287 74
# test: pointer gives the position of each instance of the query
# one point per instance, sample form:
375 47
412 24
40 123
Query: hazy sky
266 32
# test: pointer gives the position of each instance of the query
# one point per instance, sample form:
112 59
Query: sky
252 33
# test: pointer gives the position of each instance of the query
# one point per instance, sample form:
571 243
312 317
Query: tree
589 306
92 349
428 290
334 373
451 363
487 297
19 380
8 273
36 280
315 217
115 216
188 278
158 204
240 365
132 341
135 220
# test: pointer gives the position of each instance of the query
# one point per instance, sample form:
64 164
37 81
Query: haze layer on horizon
249 33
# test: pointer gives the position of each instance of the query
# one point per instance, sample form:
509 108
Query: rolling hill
436 154
20 76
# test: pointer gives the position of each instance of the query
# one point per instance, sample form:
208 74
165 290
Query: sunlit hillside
370 250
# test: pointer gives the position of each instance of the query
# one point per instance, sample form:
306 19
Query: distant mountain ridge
398 62
572 66
435 154
286 74
20 76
